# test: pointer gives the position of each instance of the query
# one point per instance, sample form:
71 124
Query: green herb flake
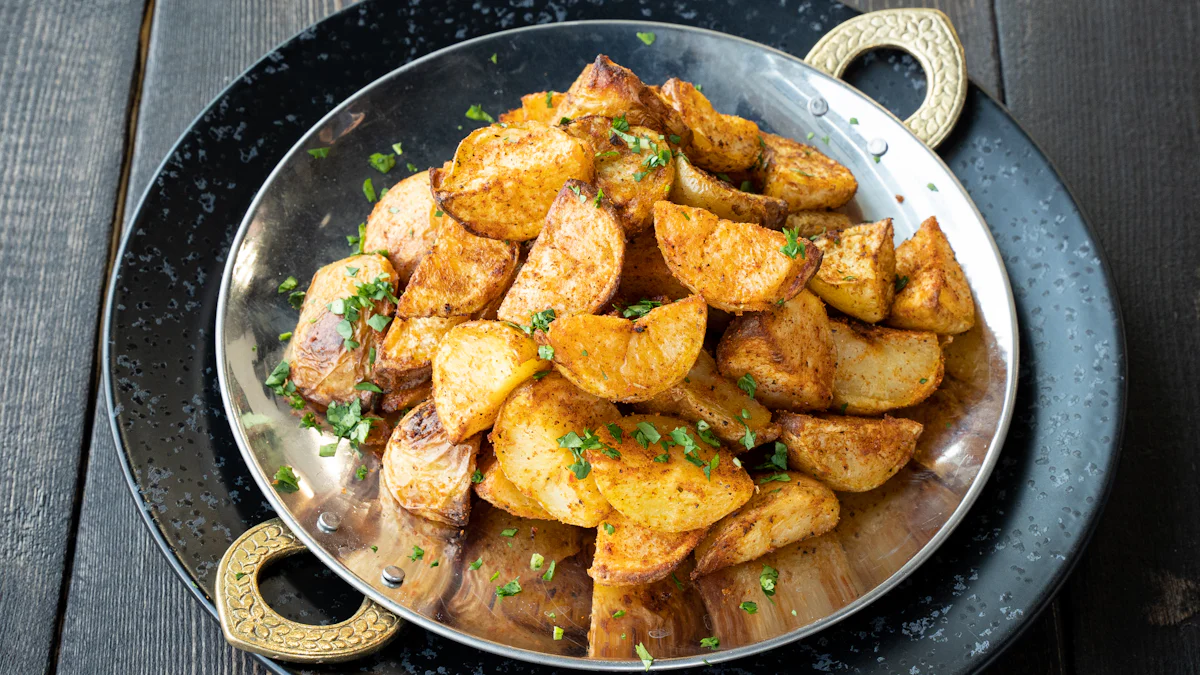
508 532
674 139
540 374
901 282
608 529
284 337
640 308
793 245
663 458
536 561
777 461
550 99
493 59
853 120
781 477
495 576
932 187
319 153
379 322
809 136
368 386
711 466
549 575
843 408
678 583
749 607
546 352
288 284
647 38
793 612
397 148
238 576
599 196
704 431
710 642
285 479
477 477
508 590
558 633
477 113
644 655
825 139
924 380
614 430
369 190
618 614
413 167
381 162
435 563
417 553
747 384
309 421
296 300
477 564
768 579
361 474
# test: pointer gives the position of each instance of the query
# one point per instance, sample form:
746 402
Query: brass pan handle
926 34
250 624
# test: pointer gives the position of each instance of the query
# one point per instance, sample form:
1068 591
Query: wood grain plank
62 131
1113 92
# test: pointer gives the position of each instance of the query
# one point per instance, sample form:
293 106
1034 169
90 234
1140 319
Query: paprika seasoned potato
737 267
858 270
623 360
789 352
788 507
605 88
719 142
405 358
496 489
694 187
629 554
503 179
531 443
428 473
881 369
475 367
460 276
849 454
403 225
935 295
803 177
331 350
540 106
813 223
645 273
575 265
664 476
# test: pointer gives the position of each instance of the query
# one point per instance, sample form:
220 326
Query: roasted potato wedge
737 267
814 223
622 360
525 438
633 174
707 395
427 473
695 487
403 400
405 359
607 89
849 454
633 554
645 273
881 369
803 177
666 617
719 142
460 276
496 489
695 187
788 351
935 295
403 224
540 106
326 364
575 265
781 512
503 179
475 367
858 270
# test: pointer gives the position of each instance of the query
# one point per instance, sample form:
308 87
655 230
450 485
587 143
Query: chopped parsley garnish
924 380
374 549
640 308
477 113
286 480
589 441
493 59
614 430
704 431
710 642
369 190
495 576
809 136
379 322
361 474
510 589
674 139
901 282
747 384
647 38
417 553
327 450
932 187
477 564
550 99
645 434
347 422
678 583
434 563
608 529
777 461
319 153
825 138
853 120
663 458
397 148
711 466
565 120
477 477
288 284
356 242
381 162
558 633
508 532
748 607
539 320
545 352
284 337
599 196
749 439
536 561
620 124
279 382
368 386
309 421
747 186
644 655
540 374
609 153
549 575
639 175
768 579
794 245
846 405
876 159
238 576
410 166
781 477
618 614
296 299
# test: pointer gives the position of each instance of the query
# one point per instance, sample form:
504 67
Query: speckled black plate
953 615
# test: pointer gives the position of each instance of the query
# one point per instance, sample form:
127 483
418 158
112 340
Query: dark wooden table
92 96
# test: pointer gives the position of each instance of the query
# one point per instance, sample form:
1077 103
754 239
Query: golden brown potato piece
326 363
622 360
737 267
526 439
427 473
605 88
935 296
694 187
803 177
460 276
814 223
402 223
789 352
633 554
496 489
575 265
403 400
503 179
475 367
540 106
719 142
881 369
858 270
405 359
849 454
787 507
666 617
706 395
645 273
693 488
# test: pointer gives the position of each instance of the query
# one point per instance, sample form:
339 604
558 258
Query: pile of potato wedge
619 309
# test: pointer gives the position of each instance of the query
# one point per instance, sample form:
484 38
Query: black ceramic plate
953 615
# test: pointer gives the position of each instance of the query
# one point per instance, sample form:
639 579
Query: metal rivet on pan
877 146
392 576
329 522
818 106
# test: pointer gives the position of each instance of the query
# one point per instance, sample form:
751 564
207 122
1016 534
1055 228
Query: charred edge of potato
605 88
858 270
634 555
719 142
695 187
428 474
849 454
541 106
878 368
936 296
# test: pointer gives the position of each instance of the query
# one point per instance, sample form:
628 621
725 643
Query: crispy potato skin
475 367
695 187
427 473
737 267
399 399
616 174
402 223
460 276
323 370
719 142
671 496
937 297
645 273
525 439
803 177
789 351
534 107
575 265
849 454
503 179
858 270
813 223
633 554
405 359
881 369
605 88
499 491
780 513
707 395
622 360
